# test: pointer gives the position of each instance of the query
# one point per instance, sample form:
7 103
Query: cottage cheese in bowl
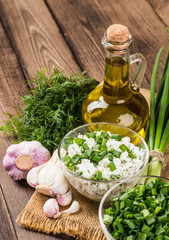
98 158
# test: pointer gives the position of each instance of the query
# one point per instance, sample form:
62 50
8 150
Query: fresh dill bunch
51 109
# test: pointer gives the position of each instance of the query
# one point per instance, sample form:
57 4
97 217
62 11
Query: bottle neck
116 78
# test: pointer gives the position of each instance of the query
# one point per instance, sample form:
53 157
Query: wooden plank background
65 34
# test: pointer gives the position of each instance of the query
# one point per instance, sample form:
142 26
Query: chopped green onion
85 146
110 157
116 137
79 141
68 141
115 153
76 158
98 175
79 173
107 218
112 166
91 135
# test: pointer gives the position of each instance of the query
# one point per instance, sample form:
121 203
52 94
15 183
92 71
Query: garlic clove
61 184
43 172
51 208
32 177
57 215
54 157
51 174
44 190
64 199
75 206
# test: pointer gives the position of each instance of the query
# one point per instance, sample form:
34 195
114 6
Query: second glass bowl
115 192
95 189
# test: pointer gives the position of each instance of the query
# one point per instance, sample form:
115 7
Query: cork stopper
117 33
24 162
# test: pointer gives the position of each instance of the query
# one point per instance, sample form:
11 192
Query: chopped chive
102 148
130 224
98 175
142 236
112 166
116 137
97 158
104 141
89 152
75 159
98 147
145 212
79 141
79 173
91 135
145 228
66 159
107 218
150 219
159 231
115 153
123 148
85 146
103 153
98 140
68 141
113 176
110 157
162 219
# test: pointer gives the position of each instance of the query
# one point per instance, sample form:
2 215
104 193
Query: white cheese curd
125 166
74 149
112 143
87 168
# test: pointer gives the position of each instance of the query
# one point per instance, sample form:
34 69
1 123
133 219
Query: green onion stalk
157 136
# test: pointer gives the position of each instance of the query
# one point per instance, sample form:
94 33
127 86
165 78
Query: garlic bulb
65 199
49 179
51 208
22 157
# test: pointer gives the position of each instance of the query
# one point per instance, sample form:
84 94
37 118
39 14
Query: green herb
115 153
51 109
137 213
75 159
158 132
79 141
79 173
112 166
68 141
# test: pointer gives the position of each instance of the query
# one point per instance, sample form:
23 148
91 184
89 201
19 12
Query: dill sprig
51 109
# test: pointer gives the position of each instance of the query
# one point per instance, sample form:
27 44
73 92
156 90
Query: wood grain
6 227
161 7
84 23
35 37
16 194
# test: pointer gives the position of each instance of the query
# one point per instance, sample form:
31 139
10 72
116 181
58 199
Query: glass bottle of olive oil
116 101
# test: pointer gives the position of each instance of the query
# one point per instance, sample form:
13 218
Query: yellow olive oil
115 101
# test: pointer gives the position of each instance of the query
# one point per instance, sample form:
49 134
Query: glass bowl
115 192
95 189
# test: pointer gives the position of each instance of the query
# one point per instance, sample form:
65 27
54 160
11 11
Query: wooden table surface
65 34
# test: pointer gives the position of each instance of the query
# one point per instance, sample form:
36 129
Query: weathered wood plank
16 194
35 37
161 7
84 22
6 227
